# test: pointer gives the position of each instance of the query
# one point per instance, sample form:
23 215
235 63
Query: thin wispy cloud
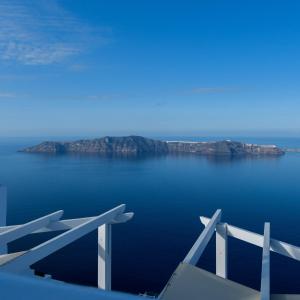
78 67
106 97
212 90
42 32
7 95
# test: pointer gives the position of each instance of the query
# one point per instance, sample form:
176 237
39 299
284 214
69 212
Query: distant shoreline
291 150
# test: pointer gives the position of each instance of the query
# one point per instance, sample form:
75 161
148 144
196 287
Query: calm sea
167 195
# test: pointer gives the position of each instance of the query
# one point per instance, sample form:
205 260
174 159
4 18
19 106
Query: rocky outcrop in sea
133 145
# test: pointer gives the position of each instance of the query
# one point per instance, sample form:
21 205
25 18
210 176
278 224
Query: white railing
256 239
3 203
202 241
20 262
223 230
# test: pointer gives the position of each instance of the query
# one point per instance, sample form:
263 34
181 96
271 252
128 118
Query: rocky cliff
140 145
105 145
223 148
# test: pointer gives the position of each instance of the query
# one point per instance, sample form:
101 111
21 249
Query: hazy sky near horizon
149 67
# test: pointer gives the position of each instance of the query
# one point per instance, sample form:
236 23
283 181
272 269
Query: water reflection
214 159
229 159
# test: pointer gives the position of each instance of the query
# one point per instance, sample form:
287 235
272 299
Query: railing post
265 269
221 250
104 257
3 211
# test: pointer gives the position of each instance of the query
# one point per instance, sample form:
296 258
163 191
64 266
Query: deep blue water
167 194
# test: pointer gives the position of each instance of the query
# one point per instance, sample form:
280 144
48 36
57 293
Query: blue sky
149 67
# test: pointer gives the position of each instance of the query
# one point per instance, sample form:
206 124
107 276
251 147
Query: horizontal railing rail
19 231
41 251
256 239
67 224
